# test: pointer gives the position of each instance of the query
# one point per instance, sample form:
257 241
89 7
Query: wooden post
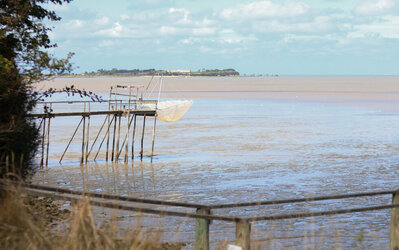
87 136
128 128
98 134
43 141
243 234
118 138
142 140
106 135
134 132
202 230
83 140
113 138
48 140
153 136
394 235
69 143
109 123
106 152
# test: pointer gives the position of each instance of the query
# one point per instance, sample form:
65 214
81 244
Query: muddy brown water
252 148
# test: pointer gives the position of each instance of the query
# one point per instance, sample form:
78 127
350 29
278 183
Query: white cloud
168 30
388 27
230 36
375 7
264 9
76 24
106 43
102 21
319 24
117 30
203 31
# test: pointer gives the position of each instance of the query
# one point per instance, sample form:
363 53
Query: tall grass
29 223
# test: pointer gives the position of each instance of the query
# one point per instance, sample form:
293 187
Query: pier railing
203 213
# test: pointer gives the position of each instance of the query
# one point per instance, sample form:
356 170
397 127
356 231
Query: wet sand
379 91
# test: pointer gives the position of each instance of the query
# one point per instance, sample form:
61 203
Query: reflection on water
235 150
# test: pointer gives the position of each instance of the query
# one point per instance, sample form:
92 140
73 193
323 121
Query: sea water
239 150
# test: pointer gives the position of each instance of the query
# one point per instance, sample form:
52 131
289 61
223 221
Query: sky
294 37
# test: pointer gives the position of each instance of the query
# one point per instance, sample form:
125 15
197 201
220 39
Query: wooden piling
127 147
134 132
202 230
106 152
48 140
125 139
69 143
127 129
83 140
106 135
394 234
109 124
113 138
98 134
243 234
118 138
87 137
142 139
43 141
153 136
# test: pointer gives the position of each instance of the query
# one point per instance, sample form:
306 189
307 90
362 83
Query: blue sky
302 37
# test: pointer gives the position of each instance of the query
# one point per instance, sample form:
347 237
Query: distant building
184 71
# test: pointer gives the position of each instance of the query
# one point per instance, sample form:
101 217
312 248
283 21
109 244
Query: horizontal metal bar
129 208
320 198
323 213
112 197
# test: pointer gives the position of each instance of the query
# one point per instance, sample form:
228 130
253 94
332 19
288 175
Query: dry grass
30 223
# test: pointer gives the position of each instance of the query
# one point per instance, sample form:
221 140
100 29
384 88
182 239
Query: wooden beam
394 234
106 112
202 230
243 234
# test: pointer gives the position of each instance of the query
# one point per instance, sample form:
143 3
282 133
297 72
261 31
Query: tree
24 60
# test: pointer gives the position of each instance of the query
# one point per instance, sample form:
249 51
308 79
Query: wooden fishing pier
122 109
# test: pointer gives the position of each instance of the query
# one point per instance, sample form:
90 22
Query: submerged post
109 123
243 234
43 141
69 143
87 136
83 140
117 140
153 136
48 139
113 138
202 230
134 131
394 235
142 140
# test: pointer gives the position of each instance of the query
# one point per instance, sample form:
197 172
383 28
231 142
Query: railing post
243 234
202 230
394 235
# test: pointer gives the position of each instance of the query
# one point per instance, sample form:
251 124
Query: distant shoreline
379 91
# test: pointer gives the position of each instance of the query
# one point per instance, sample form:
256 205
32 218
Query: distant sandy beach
379 91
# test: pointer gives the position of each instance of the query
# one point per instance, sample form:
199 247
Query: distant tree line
151 72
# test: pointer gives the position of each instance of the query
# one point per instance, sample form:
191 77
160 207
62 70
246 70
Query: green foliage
24 59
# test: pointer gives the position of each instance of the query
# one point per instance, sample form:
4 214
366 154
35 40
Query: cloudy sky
302 37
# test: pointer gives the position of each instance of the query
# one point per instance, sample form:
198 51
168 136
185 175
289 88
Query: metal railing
203 214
